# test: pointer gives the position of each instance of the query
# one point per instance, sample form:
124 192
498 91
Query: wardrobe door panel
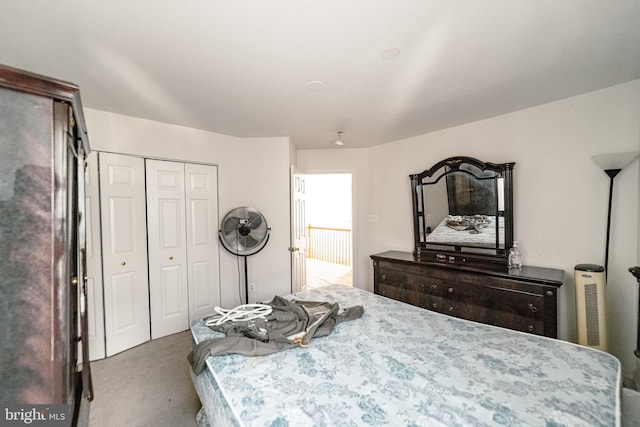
124 251
202 239
94 260
167 247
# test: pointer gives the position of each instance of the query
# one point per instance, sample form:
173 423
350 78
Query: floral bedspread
401 365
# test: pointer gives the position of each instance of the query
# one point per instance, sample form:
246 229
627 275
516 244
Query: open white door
298 246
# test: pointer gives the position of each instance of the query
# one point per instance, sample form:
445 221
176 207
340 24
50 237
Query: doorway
329 229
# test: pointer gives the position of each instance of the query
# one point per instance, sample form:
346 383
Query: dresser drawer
494 282
391 266
506 308
525 300
418 299
410 281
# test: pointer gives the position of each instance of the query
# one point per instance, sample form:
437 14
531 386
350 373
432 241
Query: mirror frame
461 255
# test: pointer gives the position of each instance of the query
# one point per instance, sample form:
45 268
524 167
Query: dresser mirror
463 212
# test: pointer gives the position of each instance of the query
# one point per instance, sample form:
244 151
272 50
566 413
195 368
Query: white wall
251 172
560 194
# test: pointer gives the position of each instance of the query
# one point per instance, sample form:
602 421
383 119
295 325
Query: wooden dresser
525 300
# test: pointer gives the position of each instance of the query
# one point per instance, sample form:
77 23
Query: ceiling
376 70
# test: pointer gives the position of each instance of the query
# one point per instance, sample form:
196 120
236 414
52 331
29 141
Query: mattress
486 239
403 365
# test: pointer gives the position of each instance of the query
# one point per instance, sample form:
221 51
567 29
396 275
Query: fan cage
244 231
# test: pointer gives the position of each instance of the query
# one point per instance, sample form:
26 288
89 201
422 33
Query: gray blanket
290 324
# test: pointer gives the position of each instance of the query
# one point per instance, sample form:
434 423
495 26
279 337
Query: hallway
320 273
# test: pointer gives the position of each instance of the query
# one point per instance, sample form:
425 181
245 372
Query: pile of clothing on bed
287 324
473 223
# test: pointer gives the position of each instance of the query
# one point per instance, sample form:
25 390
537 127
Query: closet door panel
124 251
202 239
124 314
167 247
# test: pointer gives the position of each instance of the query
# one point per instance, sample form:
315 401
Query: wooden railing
329 244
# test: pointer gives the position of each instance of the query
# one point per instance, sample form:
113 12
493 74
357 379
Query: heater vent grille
591 305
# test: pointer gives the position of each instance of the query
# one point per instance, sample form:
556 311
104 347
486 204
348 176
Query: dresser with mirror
463 230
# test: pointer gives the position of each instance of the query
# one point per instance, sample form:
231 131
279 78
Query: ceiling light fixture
390 54
339 140
315 85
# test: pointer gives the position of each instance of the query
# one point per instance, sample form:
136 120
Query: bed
446 234
401 365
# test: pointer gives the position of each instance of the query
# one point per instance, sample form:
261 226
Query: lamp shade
614 160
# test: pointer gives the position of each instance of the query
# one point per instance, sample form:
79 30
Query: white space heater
591 305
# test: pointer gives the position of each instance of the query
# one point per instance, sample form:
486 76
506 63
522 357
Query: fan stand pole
246 281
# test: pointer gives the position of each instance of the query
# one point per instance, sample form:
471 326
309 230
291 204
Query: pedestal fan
244 232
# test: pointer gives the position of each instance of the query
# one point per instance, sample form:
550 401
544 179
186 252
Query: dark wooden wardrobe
43 145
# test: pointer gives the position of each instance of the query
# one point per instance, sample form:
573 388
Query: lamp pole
612 164
612 174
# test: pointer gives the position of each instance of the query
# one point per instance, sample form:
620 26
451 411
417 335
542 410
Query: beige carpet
148 385
630 408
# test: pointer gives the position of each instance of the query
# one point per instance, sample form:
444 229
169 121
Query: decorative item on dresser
523 299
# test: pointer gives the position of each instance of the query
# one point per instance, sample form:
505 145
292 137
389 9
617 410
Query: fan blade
230 225
249 241
255 220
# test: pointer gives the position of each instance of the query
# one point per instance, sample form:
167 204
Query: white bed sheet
401 365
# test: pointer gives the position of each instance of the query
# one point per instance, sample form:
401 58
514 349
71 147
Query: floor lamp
612 164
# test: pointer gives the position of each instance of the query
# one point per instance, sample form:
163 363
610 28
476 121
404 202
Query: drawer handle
433 286
384 277
533 308
531 328
435 305
124 263
549 293
450 290
450 308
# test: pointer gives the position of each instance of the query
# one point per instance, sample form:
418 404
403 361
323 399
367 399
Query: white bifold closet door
201 194
183 250
124 251
166 228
